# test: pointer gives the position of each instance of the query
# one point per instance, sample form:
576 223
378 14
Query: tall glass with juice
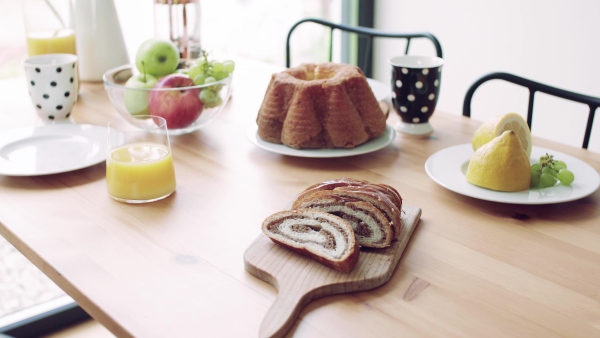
47 27
139 166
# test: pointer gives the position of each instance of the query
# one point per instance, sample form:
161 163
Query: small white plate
51 149
381 91
378 143
448 167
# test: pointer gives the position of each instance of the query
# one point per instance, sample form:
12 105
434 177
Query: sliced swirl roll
371 218
389 191
316 234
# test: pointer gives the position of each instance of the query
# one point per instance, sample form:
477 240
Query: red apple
180 108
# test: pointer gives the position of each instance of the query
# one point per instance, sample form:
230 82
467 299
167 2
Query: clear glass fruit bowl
185 106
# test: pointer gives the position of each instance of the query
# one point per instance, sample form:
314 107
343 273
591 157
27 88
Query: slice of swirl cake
326 238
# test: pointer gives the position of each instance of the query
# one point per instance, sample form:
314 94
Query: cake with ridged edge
316 106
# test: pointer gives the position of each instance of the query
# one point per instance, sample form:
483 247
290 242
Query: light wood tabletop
175 268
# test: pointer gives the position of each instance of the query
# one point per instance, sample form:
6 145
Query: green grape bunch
549 172
204 71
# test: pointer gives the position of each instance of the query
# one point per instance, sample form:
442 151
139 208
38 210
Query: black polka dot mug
415 85
52 85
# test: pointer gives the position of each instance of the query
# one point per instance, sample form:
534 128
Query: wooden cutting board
299 280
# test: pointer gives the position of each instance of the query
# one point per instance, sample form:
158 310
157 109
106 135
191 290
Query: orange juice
140 172
48 42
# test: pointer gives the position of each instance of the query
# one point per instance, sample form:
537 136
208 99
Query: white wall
551 41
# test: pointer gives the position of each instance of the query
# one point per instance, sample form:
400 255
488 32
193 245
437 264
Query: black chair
533 86
368 34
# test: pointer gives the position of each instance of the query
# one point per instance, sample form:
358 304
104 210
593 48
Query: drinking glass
139 166
47 27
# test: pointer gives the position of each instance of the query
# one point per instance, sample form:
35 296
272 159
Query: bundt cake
327 105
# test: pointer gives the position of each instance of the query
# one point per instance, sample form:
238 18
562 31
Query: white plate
382 141
447 167
381 91
51 149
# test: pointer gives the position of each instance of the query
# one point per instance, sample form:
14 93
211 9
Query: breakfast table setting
156 199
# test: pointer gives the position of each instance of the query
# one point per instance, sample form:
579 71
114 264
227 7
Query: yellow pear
500 164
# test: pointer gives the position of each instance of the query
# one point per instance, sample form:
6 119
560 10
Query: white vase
99 39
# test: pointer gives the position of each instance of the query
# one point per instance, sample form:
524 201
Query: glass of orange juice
139 166
47 27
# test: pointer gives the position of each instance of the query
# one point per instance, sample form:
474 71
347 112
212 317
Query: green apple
157 57
136 95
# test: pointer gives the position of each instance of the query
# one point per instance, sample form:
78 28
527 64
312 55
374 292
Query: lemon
496 126
500 164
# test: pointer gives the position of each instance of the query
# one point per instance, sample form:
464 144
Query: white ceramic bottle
100 43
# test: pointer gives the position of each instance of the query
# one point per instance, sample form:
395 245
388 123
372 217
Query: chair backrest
368 33
592 102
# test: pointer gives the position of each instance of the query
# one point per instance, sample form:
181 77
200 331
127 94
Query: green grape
195 71
535 179
202 62
558 165
549 170
220 75
215 103
547 180
210 79
210 98
228 66
565 176
217 67
217 88
207 95
536 167
200 79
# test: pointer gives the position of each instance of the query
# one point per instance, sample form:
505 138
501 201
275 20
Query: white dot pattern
415 92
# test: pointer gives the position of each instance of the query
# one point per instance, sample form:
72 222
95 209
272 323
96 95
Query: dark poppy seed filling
364 223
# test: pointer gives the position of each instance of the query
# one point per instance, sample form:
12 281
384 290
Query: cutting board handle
287 306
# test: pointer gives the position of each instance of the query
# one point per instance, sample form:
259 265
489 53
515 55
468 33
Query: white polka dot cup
416 84
52 85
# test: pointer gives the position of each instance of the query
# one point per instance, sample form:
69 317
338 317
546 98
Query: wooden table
175 267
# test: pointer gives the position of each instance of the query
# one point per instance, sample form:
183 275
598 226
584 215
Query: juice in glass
50 42
140 172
